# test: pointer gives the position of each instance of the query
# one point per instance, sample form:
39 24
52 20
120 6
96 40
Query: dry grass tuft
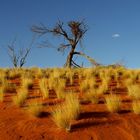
66 112
134 91
113 103
27 83
1 94
44 88
21 96
35 109
91 96
136 107
60 89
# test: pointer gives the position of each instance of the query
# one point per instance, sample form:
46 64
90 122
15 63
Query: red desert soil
94 122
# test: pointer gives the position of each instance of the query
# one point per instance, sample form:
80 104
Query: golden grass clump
15 73
2 75
134 91
56 73
128 82
21 96
70 75
60 89
44 88
38 72
6 86
91 96
136 107
1 94
52 82
103 88
87 84
66 112
26 83
84 86
35 109
113 103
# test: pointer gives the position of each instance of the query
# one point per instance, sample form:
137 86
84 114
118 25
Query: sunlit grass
21 96
44 88
60 89
113 103
134 91
26 83
66 112
91 96
35 109
1 94
136 107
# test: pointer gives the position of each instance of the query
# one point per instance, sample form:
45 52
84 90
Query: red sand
94 122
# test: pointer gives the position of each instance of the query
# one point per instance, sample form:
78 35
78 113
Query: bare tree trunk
69 59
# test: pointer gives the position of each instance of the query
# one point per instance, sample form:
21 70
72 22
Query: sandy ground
94 122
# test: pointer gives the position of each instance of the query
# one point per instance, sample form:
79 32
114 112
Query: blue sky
113 29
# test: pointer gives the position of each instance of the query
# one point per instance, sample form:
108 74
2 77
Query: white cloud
115 35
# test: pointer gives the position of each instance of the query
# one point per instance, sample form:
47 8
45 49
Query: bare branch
18 56
63 47
76 32
23 58
75 64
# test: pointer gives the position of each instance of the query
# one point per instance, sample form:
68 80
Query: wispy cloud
115 35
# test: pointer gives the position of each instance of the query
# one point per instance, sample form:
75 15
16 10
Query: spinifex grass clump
134 91
35 109
91 96
52 82
87 84
60 89
4 84
113 103
26 83
1 94
44 88
70 75
66 112
38 72
21 96
136 106
15 73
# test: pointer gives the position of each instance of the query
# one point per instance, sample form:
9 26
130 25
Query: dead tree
17 56
73 35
